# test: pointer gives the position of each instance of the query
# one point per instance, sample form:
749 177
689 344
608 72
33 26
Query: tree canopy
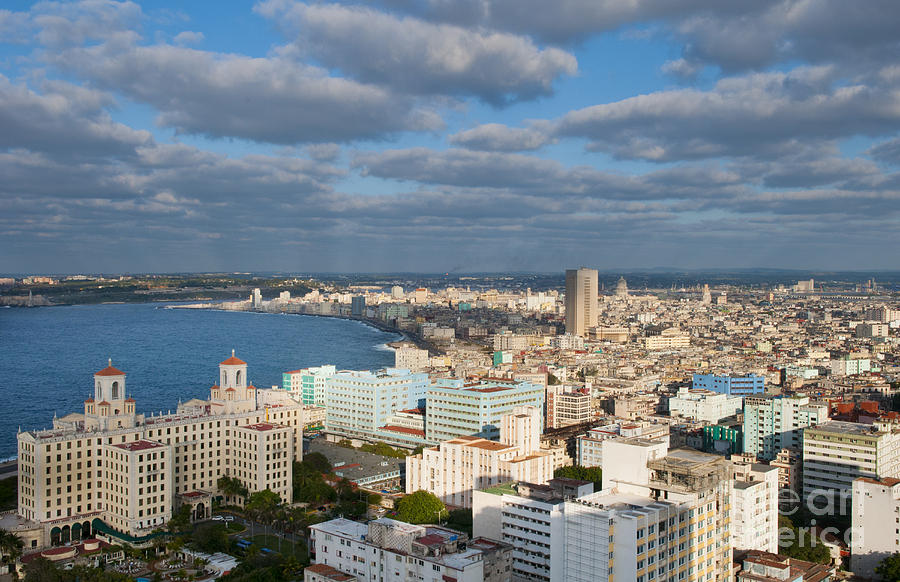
889 568
594 474
421 507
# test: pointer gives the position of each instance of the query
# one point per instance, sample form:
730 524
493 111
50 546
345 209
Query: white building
567 406
589 447
454 468
837 453
358 402
754 507
775 423
567 342
875 515
667 342
457 408
850 366
411 358
678 530
389 550
704 405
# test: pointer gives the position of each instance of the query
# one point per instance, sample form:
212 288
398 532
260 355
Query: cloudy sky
438 135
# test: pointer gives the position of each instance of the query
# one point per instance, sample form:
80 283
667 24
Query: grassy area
297 550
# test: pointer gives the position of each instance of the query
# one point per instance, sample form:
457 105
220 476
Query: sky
448 135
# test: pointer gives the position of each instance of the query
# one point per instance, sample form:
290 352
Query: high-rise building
456 408
777 422
358 402
874 513
668 521
581 300
754 507
358 305
567 406
836 453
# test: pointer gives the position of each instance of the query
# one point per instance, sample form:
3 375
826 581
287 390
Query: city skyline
447 137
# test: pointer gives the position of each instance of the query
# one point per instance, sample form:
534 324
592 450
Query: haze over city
447 136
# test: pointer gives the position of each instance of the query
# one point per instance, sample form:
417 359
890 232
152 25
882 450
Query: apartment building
777 422
113 469
667 342
589 447
677 529
358 402
261 456
732 385
567 406
704 405
385 550
875 519
754 507
454 468
457 408
308 385
409 357
837 453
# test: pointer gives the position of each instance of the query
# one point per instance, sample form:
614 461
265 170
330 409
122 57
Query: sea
48 355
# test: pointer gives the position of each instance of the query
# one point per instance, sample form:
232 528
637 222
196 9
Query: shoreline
405 335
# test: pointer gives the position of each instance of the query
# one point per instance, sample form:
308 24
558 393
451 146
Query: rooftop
138 446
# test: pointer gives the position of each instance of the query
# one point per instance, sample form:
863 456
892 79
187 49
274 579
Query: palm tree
11 546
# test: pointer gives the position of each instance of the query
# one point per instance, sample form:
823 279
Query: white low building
704 405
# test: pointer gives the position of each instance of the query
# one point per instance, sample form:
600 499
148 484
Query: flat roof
138 446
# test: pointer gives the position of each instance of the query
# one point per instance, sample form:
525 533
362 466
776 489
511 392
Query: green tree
263 505
552 380
421 507
181 520
41 570
211 537
232 487
11 547
317 462
802 544
889 568
594 474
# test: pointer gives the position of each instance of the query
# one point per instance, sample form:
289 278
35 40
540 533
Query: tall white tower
581 300
109 408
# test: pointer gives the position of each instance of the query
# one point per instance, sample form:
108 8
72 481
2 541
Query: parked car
220 518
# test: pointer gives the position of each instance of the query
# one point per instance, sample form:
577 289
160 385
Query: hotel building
112 470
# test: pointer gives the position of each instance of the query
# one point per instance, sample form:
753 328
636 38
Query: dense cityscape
450 291
739 431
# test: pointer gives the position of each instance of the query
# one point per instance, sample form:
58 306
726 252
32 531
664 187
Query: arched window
224 378
237 378
115 391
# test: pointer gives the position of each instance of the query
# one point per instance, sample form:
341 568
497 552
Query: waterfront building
457 408
109 469
454 468
704 405
731 385
308 385
874 515
386 549
410 358
358 306
777 422
836 453
581 300
358 402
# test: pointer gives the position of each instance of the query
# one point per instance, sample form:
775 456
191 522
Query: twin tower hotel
110 470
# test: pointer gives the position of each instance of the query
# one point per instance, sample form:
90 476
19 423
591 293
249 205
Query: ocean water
48 355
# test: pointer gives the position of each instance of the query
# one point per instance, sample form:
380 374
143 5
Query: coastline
405 335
